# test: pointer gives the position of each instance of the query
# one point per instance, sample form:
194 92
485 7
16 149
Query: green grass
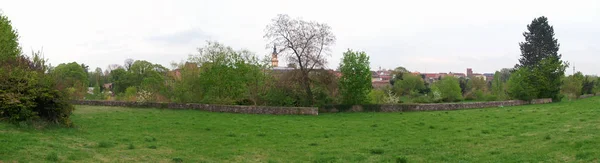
559 132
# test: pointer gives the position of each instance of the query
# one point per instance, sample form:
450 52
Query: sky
423 36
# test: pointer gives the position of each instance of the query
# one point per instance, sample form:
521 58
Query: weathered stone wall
312 110
426 107
587 96
207 107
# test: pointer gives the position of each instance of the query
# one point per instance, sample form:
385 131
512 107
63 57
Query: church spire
274 60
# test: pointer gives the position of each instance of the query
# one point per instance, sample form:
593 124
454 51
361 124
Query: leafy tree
26 93
410 84
398 73
449 89
520 85
547 78
540 55
304 42
589 83
73 77
355 83
225 76
9 40
498 88
572 85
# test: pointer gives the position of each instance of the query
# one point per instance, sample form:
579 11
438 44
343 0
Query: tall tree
304 42
355 83
498 86
9 40
539 43
540 55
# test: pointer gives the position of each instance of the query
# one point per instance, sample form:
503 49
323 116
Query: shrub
30 95
377 96
519 85
449 89
422 99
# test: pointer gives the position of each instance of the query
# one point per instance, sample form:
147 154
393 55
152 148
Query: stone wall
312 110
426 107
207 107
587 96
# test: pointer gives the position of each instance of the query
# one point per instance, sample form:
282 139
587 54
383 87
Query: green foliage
27 95
72 78
547 78
355 83
540 55
572 85
520 85
498 87
225 76
589 84
9 40
377 96
539 43
130 94
409 84
449 89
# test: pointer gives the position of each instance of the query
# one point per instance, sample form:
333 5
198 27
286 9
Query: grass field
558 132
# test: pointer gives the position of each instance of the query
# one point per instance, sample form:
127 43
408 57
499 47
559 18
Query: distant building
489 76
274 60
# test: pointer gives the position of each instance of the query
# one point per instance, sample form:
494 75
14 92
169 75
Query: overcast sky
424 36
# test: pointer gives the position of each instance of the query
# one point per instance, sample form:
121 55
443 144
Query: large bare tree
305 43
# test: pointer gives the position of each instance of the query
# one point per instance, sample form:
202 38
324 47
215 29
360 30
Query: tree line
219 74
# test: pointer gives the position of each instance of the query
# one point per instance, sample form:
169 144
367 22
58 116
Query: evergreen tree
540 55
539 43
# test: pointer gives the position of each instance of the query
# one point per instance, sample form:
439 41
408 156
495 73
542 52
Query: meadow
567 131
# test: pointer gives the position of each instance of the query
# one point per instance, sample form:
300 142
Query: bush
449 89
377 96
422 99
519 85
27 95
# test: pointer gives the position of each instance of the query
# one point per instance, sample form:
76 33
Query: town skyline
393 34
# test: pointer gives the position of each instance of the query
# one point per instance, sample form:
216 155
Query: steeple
274 60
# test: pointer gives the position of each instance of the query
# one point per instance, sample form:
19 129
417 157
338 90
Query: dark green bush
27 95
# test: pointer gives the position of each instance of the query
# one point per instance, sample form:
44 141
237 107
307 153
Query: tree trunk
306 84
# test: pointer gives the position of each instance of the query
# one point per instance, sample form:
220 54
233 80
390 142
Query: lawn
557 132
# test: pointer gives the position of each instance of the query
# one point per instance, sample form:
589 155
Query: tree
128 63
572 85
73 77
225 76
9 40
449 89
304 42
26 93
355 83
410 84
520 85
539 43
498 86
397 74
589 83
540 55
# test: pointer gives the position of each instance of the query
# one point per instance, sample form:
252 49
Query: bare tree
128 63
305 43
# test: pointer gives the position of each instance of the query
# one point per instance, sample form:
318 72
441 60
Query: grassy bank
558 132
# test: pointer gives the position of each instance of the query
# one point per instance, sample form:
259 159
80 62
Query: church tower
274 60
